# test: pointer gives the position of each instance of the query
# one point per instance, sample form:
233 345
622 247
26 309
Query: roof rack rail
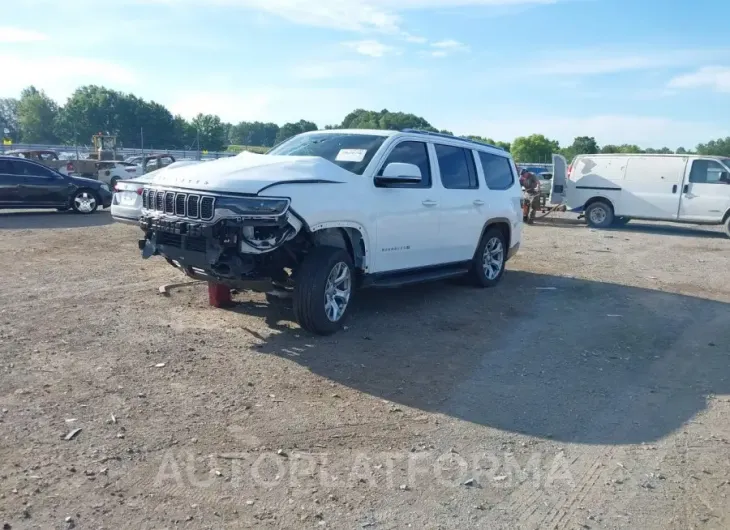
451 136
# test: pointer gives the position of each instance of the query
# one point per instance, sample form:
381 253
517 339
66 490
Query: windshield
352 152
726 162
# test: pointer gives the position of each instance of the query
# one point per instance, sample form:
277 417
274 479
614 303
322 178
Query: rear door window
457 167
497 171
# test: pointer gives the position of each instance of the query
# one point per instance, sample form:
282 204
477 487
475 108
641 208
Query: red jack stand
219 295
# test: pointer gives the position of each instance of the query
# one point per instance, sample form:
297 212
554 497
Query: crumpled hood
250 173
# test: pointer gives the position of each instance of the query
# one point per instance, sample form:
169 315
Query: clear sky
651 72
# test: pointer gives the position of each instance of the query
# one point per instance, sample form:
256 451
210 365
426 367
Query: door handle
478 202
429 203
674 189
686 188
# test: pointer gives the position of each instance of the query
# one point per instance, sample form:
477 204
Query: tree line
36 118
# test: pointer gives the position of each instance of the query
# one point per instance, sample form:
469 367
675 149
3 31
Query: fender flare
357 238
500 221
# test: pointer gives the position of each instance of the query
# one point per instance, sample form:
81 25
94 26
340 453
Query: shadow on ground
40 219
646 227
572 360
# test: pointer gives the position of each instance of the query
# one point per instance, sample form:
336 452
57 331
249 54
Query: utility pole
141 139
197 132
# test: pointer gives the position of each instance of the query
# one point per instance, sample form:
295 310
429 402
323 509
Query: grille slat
180 199
159 201
206 208
169 202
193 210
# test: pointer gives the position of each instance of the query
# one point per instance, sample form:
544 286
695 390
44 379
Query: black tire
84 197
480 274
621 221
310 290
113 182
599 214
727 227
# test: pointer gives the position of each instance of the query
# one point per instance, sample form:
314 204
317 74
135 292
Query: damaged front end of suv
241 241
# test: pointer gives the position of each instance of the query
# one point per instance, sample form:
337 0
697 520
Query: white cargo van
613 189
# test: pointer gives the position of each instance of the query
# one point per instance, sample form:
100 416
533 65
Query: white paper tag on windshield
351 155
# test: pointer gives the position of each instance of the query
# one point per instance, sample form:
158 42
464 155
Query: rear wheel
489 260
323 290
85 202
727 227
599 214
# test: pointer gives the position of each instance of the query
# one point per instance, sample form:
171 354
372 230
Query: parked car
127 199
151 162
29 184
326 212
546 182
613 189
112 172
46 157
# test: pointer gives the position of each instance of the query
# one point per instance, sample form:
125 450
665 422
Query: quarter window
707 172
415 153
457 167
497 171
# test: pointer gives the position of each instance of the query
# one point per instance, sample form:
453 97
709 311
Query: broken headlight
254 207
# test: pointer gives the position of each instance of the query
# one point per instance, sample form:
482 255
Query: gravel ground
589 390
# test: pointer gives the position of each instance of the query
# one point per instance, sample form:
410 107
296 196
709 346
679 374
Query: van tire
599 214
727 226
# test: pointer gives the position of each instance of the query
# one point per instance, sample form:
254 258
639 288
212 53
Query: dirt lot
589 390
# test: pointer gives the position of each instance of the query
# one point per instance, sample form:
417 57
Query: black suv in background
27 184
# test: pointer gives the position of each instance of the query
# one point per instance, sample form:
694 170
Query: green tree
254 133
582 145
501 145
292 129
719 147
9 118
212 132
394 121
535 148
681 151
36 113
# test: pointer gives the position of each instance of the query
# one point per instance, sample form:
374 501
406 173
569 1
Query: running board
421 276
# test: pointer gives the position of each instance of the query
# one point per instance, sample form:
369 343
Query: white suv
328 211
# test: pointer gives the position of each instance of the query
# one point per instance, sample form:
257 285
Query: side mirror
399 172
725 177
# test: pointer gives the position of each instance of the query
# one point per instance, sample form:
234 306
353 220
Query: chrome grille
179 204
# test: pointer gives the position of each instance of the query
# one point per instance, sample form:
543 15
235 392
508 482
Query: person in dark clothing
531 183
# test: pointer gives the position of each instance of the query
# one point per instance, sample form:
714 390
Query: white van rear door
560 177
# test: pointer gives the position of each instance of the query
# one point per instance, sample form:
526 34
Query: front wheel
323 289
727 227
85 202
489 260
599 215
